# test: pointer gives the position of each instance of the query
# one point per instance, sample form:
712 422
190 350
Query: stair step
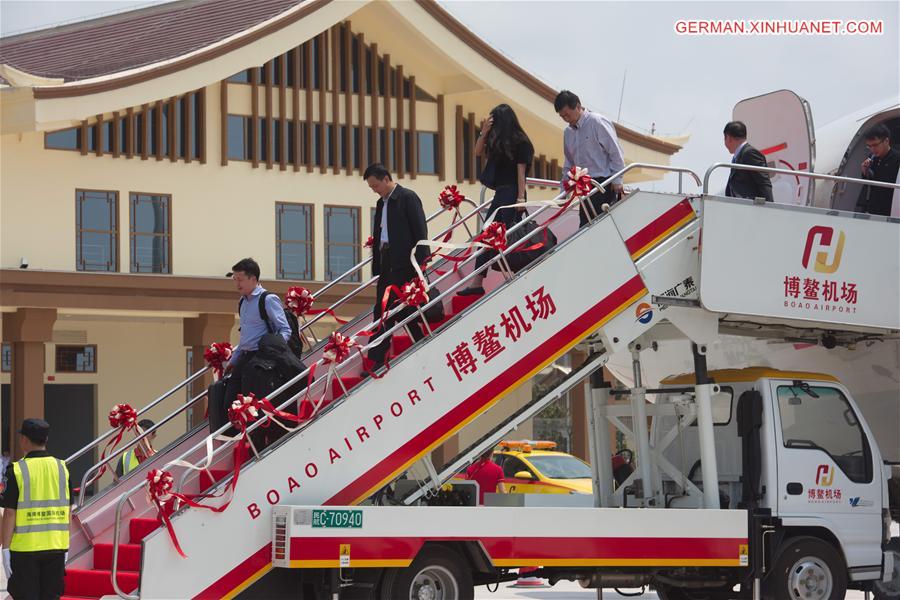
461 303
93 583
209 479
129 557
400 343
438 324
244 452
349 382
138 529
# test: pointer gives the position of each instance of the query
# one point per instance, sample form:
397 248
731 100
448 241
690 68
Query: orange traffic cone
526 581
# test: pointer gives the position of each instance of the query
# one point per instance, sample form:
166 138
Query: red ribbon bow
578 182
370 241
217 355
124 417
299 300
494 235
159 489
244 410
414 293
338 348
450 198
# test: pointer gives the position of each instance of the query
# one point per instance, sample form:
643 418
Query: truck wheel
890 590
807 569
436 574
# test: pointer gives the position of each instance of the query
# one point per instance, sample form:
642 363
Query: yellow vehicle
538 468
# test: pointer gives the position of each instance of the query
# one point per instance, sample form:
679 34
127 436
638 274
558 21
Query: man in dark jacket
882 164
745 184
399 225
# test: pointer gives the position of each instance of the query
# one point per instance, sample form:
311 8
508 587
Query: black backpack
295 342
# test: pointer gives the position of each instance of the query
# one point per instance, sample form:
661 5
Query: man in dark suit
881 164
401 210
745 184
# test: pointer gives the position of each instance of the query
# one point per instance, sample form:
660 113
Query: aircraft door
779 124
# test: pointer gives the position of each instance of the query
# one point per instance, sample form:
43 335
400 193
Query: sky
682 84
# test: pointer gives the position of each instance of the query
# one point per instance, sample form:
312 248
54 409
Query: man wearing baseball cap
35 529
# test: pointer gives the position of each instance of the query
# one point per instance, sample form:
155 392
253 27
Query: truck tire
437 573
890 590
807 568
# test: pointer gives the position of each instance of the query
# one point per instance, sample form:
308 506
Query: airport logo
819 239
824 476
824 493
857 502
644 313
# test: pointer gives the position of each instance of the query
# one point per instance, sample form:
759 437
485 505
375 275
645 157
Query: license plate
337 519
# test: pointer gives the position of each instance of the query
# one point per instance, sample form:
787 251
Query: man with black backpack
261 314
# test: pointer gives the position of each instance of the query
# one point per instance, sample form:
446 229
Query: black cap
36 430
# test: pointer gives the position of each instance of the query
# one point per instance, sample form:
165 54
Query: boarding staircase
601 287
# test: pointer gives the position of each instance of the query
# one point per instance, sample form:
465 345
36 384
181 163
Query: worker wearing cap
35 529
137 454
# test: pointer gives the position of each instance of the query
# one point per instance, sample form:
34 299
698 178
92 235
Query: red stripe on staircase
245 572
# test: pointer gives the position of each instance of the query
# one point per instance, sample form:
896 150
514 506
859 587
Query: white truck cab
794 444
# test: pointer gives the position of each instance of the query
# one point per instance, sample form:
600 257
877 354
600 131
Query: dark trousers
505 195
218 408
391 276
597 200
37 575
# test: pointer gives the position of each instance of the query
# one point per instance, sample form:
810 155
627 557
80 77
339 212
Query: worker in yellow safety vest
137 454
35 527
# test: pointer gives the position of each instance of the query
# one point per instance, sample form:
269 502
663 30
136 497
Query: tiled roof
133 39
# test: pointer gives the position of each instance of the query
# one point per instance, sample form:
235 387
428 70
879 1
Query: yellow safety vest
129 461
42 513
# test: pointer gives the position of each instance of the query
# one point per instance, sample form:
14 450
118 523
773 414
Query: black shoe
471 291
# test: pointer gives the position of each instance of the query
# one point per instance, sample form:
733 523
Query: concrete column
28 329
199 333
578 413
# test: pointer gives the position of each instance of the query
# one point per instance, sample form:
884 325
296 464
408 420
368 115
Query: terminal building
143 153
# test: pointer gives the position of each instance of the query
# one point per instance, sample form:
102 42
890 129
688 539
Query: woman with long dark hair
509 155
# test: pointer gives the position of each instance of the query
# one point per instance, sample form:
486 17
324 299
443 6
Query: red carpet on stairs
96 583
207 480
461 303
349 382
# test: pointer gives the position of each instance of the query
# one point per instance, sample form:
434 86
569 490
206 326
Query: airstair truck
785 499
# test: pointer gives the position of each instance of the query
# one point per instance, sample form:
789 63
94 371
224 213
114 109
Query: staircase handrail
651 166
374 279
807 174
401 324
113 456
147 431
117 452
202 444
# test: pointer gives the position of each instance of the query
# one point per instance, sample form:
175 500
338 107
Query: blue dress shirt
252 325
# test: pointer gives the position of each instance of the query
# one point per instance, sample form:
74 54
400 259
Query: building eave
154 71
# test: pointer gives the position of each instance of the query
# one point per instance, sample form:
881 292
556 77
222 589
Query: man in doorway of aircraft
745 184
590 142
882 164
